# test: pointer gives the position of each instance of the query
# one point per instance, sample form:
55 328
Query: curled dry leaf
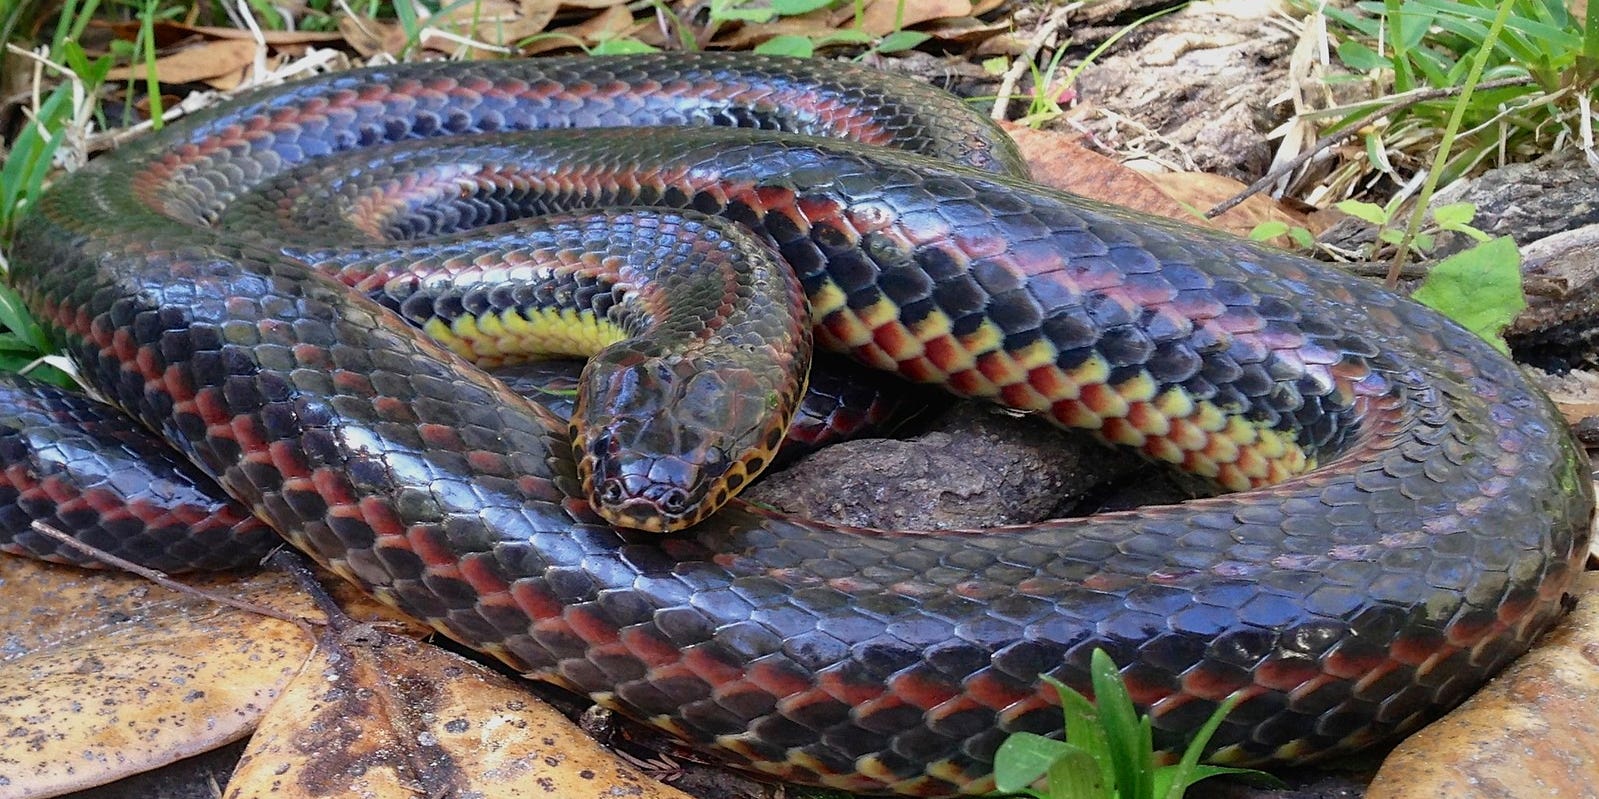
1059 161
209 59
883 17
1202 191
375 716
104 675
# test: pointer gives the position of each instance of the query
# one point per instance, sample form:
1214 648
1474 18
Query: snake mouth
649 506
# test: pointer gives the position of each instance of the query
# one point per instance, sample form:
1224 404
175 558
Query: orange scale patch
1052 383
997 695
1075 413
1148 419
709 668
971 383
590 626
1000 369
852 694
948 355
923 693
491 586
1121 431
897 342
436 554
1022 396
1104 400
1186 436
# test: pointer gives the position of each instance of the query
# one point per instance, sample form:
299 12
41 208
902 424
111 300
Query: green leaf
901 40
1122 729
1023 758
1364 211
15 318
1268 230
1457 216
622 46
787 45
1479 288
1358 56
789 8
1075 775
1083 728
996 65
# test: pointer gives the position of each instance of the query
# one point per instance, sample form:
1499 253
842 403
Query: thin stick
161 579
1007 86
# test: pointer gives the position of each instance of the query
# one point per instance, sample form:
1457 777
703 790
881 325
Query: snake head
664 440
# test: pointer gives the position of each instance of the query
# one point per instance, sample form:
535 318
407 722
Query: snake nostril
674 501
611 491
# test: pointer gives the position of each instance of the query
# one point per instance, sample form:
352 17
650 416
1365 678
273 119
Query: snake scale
1408 513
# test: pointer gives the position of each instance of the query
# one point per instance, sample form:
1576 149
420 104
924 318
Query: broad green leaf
1268 230
1076 776
1453 215
901 40
789 8
1479 288
1120 720
1364 211
1023 758
787 45
1358 56
15 318
1083 728
622 46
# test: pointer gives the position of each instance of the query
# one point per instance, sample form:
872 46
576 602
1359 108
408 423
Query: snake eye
611 491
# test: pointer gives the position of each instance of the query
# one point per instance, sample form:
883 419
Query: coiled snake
1411 513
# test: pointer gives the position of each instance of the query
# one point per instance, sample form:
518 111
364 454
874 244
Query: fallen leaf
882 17
1058 161
105 674
209 59
1529 734
368 37
375 715
1201 191
615 21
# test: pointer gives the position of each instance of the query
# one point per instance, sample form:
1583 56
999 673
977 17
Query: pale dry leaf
368 37
208 59
1201 191
611 23
883 17
1058 161
105 674
376 716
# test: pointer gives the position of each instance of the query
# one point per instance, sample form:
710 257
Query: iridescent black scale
84 468
1433 540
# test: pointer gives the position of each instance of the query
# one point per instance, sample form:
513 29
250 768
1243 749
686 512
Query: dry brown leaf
106 675
1529 733
369 36
963 30
376 716
883 17
1057 160
208 59
611 23
1200 191
740 37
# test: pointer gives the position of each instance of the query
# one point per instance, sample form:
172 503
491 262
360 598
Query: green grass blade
1120 720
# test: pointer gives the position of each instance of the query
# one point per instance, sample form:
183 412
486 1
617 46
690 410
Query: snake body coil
1413 513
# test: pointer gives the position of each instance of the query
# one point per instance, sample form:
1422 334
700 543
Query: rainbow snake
1408 513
